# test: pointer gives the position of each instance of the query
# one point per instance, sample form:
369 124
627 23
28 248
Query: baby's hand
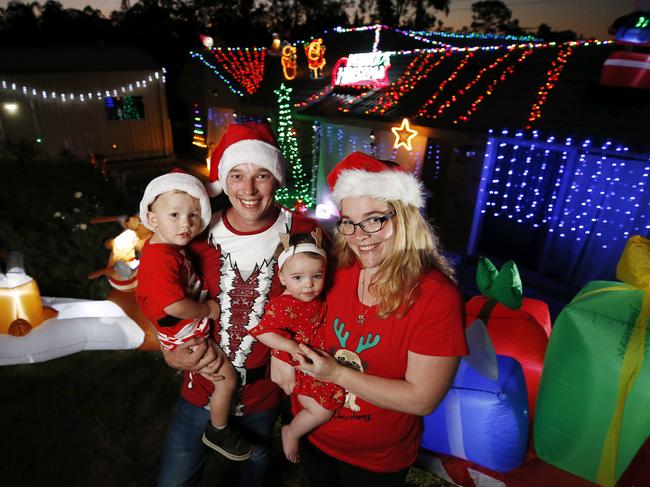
215 309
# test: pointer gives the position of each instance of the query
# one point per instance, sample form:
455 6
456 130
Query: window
124 107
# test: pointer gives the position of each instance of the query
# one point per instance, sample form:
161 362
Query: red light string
417 70
552 76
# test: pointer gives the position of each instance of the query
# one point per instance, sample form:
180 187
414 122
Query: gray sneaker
228 441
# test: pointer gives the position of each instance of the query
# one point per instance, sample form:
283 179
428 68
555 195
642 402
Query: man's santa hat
176 180
241 144
362 175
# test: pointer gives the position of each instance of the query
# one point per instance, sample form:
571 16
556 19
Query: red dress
302 322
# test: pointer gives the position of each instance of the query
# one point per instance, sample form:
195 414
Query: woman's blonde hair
415 251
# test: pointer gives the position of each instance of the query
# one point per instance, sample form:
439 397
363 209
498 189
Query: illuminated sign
366 69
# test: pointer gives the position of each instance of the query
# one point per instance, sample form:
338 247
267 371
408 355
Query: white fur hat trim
180 182
384 185
251 151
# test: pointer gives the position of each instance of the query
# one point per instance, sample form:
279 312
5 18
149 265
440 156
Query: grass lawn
98 418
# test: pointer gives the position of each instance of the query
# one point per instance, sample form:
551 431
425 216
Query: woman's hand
320 364
283 374
194 355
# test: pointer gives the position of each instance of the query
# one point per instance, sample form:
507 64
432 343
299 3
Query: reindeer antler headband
301 247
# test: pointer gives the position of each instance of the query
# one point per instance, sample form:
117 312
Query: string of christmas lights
213 68
315 97
424 111
573 190
348 100
417 70
472 35
463 91
98 94
315 156
375 45
198 137
552 77
245 65
490 89
433 159
288 143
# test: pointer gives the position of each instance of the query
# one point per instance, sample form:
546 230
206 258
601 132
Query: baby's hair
299 238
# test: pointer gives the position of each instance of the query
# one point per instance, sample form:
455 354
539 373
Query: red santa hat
176 180
362 175
241 144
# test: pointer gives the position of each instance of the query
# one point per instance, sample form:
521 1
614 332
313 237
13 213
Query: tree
545 32
493 17
417 14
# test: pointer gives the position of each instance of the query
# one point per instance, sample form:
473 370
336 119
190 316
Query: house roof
74 60
471 84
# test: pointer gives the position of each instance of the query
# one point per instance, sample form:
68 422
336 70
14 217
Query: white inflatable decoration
79 325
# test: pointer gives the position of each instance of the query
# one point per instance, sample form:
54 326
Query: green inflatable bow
502 286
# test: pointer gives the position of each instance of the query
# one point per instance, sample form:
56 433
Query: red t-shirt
165 276
371 437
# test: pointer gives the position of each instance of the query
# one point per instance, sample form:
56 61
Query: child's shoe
227 441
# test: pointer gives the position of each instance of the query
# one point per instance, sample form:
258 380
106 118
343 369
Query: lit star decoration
404 134
288 142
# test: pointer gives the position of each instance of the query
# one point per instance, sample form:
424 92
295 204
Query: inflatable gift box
518 327
483 418
593 409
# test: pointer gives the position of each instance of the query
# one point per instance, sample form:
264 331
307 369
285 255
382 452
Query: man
235 256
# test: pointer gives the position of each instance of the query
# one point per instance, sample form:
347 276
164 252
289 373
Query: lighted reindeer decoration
351 359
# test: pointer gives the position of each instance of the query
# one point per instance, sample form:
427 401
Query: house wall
83 127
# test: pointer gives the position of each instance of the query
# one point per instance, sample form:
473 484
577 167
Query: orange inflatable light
21 308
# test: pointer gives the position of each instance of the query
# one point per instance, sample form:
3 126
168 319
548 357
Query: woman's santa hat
176 180
241 144
362 175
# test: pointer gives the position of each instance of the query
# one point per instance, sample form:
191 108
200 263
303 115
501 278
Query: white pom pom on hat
359 174
179 181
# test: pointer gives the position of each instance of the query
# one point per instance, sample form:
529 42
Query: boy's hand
215 309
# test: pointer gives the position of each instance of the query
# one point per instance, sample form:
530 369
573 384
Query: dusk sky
587 17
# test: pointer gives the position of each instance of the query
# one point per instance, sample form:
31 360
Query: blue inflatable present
484 417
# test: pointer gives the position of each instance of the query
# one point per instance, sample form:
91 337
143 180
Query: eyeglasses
369 225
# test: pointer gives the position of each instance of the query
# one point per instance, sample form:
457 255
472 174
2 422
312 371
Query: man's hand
194 355
213 370
215 309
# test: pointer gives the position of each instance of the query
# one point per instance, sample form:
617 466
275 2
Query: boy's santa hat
176 180
241 144
362 175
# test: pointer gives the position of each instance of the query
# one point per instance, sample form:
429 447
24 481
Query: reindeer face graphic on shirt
351 359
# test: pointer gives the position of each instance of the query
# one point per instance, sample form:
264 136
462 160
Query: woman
394 329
